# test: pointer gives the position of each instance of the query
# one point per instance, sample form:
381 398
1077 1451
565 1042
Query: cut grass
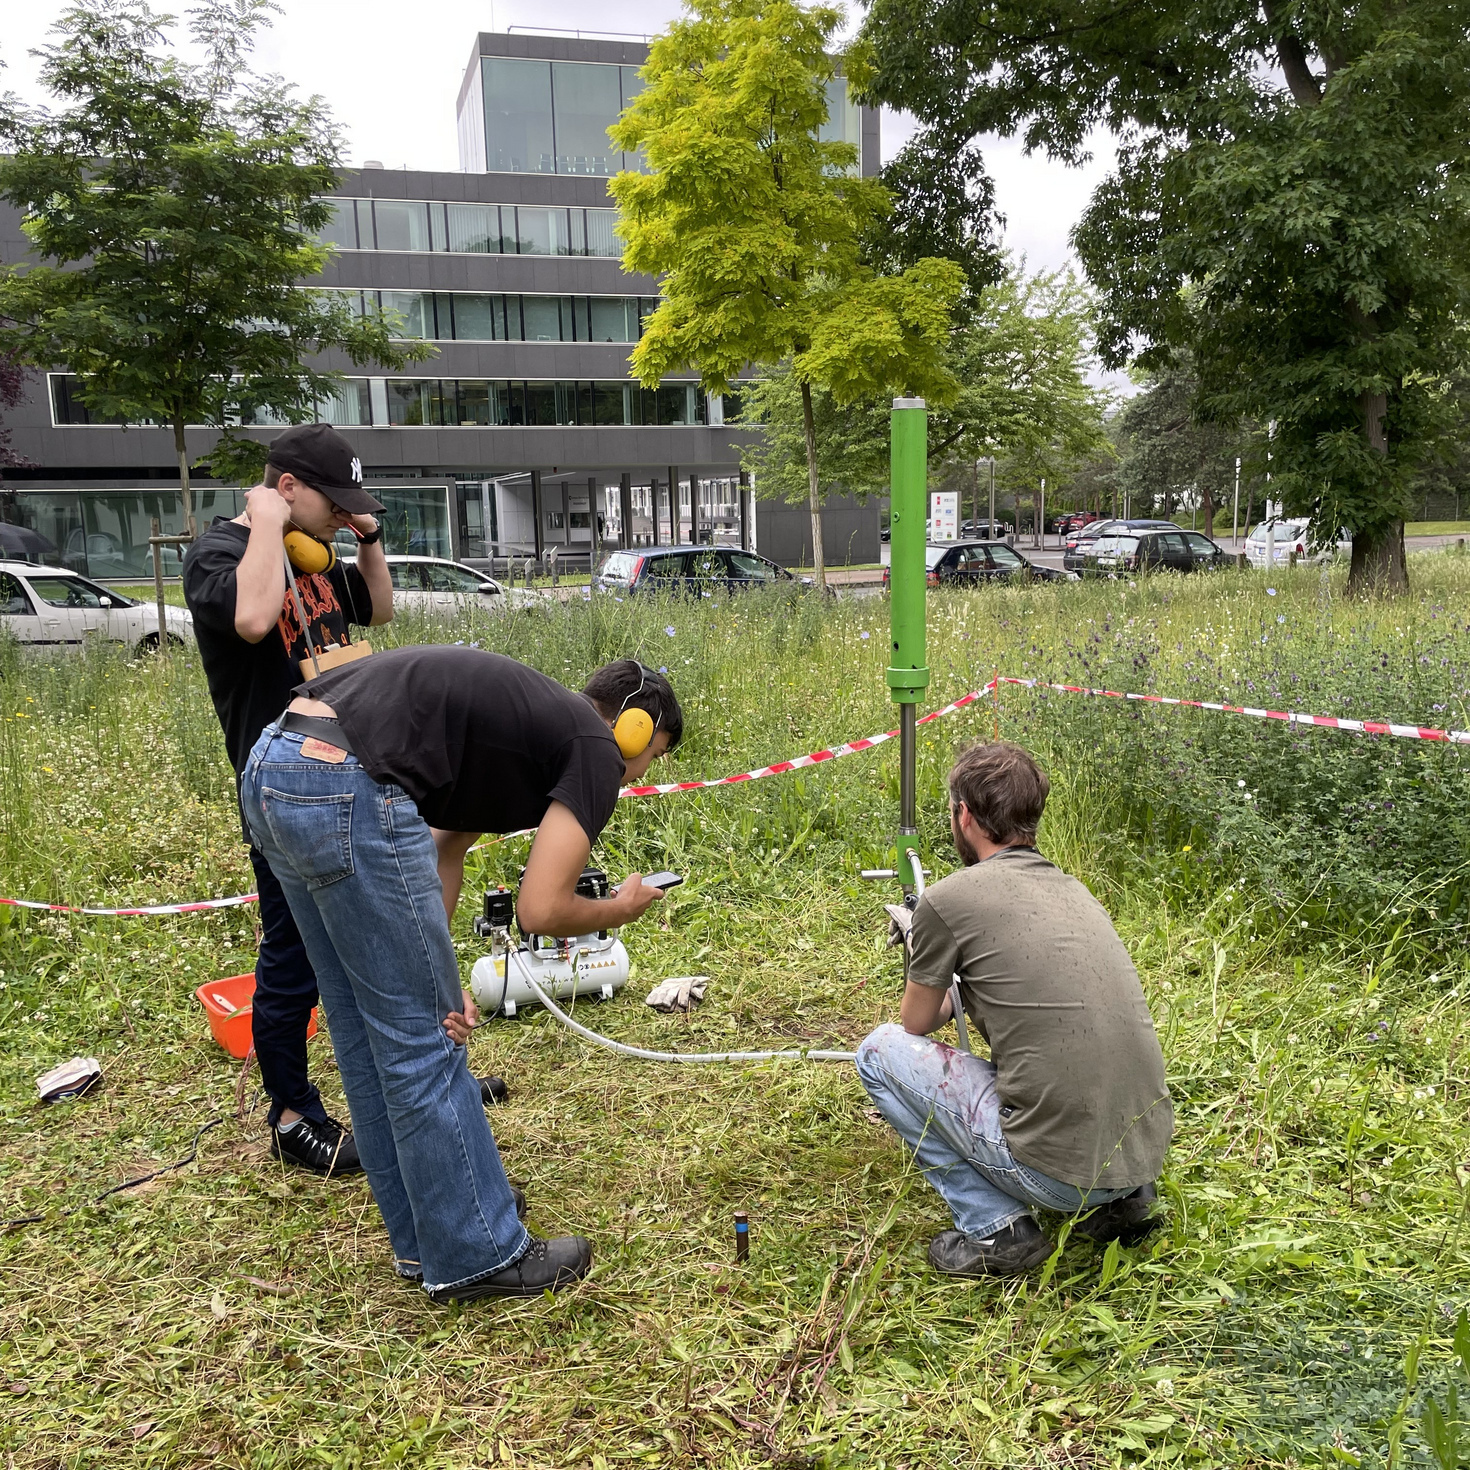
236 1314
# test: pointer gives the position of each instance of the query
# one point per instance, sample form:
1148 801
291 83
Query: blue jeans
360 871
943 1103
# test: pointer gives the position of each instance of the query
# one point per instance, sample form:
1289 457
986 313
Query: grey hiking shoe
1008 1252
1127 1220
548 1265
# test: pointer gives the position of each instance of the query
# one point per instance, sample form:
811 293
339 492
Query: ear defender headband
309 555
634 729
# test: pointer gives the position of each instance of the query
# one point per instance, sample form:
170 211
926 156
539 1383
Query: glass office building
525 428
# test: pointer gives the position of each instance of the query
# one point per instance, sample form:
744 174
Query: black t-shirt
251 683
481 742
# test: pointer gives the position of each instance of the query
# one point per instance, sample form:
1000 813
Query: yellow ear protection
309 555
634 728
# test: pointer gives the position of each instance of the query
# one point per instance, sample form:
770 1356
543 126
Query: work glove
682 993
900 924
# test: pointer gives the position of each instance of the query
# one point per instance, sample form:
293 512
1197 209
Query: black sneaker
324 1148
493 1090
1008 1252
1128 1220
548 1265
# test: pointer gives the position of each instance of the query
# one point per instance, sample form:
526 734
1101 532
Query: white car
1291 535
53 606
429 584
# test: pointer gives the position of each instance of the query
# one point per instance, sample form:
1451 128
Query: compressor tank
498 981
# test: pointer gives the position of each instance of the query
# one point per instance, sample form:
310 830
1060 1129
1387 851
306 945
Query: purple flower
669 631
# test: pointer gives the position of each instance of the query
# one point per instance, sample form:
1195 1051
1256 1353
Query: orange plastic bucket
228 1003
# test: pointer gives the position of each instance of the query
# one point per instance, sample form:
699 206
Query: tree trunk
819 564
1378 567
1207 509
186 494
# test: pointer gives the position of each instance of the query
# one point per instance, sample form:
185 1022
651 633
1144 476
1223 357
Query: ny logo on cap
356 471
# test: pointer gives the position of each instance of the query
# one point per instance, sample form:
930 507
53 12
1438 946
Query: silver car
51 606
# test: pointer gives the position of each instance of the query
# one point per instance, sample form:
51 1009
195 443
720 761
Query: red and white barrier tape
1326 722
816 758
836 752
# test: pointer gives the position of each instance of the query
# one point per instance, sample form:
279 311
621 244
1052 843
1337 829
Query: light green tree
754 223
1020 354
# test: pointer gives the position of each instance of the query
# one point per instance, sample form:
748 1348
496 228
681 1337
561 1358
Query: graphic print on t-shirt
323 614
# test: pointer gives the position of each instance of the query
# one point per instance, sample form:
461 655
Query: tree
1020 353
1290 205
12 392
1168 454
754 223
176 209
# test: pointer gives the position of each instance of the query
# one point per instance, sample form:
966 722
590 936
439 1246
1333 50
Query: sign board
944 516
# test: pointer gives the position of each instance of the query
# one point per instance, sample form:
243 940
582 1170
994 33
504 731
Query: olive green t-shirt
1045 977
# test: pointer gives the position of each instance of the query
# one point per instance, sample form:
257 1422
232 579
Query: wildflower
1281 617
865 636
670 631
1270 592
663 668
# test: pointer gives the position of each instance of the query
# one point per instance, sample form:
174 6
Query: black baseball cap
319 455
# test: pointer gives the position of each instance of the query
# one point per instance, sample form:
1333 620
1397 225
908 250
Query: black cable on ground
189 1158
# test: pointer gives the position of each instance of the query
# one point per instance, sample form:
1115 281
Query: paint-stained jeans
944 1105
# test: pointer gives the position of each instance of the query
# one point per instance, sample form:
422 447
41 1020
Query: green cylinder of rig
908 669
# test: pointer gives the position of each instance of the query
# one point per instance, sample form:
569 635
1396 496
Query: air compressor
587 964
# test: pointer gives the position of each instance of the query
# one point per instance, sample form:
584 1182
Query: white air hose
644 1055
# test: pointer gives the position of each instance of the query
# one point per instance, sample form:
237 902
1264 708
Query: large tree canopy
1290 205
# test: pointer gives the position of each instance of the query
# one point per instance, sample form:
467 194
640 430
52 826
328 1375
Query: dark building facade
525 430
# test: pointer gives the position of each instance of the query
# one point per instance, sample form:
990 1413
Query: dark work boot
1128 1220
548 1265
1008 1252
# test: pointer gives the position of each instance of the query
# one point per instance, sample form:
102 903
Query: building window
471 402
470 229
586 101
341 229
518 134
546 117
474 229
401 224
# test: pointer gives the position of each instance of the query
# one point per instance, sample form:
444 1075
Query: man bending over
1072 1113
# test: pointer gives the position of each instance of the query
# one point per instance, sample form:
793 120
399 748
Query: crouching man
340 793
1072 1113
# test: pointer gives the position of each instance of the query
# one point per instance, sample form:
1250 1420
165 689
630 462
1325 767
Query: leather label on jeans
318 750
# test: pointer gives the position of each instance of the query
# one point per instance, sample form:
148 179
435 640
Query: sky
391 76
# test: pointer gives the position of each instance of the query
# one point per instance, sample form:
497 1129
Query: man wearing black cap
248 622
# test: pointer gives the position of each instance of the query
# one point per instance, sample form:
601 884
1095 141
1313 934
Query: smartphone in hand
662 880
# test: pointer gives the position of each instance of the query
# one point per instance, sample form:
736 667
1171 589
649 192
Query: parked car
1074 520
430 582
1080 542
1291 535
967 563
691 570
986 530
53 606
1142 549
